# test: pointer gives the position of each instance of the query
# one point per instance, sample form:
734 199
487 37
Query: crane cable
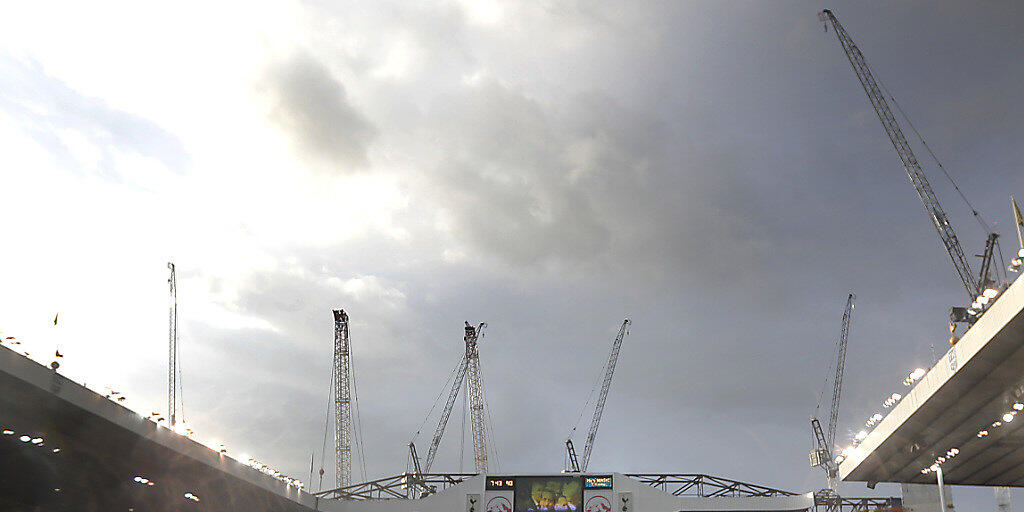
981 220
436 401
977 215
583 409
359 420
327 426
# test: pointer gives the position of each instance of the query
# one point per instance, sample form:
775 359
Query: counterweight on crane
824 453
470 363
917 177
575 465
342 400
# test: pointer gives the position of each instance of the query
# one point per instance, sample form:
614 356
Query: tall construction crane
974 286
475 392
342 400
575 465
470 363
172 357
824 452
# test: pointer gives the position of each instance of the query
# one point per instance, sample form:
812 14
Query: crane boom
573 463
910 164
445 414
609 371
837 383
824 453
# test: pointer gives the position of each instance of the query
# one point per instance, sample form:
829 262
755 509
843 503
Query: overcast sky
711 170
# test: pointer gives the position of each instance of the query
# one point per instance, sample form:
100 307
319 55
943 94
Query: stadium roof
954 416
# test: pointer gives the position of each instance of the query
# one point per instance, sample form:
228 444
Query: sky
711 170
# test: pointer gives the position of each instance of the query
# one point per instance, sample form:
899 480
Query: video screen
548 493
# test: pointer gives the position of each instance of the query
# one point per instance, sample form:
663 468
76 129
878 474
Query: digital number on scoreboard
501 484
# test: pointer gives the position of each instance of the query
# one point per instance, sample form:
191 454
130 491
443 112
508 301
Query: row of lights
979 304
141 480
952 452
39 441
892 400
1016 263
267 470
179 428
914 376
1007 417
35 441
877 418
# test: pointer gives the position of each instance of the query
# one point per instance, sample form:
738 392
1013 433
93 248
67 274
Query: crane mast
342 400
924 189
172 361
606 384
825 441
475 392
470 360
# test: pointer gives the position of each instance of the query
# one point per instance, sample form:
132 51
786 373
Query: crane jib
906 154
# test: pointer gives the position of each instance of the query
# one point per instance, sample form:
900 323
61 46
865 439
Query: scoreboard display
557 493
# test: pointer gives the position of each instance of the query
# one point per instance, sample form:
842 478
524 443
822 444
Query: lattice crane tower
172 360
475 390
342 400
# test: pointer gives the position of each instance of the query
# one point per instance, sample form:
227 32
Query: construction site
64 444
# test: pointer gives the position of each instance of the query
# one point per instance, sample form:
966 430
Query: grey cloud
311 106
713 171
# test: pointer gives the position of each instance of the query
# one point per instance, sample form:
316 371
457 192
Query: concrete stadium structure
94 454
960 415
613 491
84 451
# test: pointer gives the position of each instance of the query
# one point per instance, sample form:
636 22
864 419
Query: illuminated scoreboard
557 493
